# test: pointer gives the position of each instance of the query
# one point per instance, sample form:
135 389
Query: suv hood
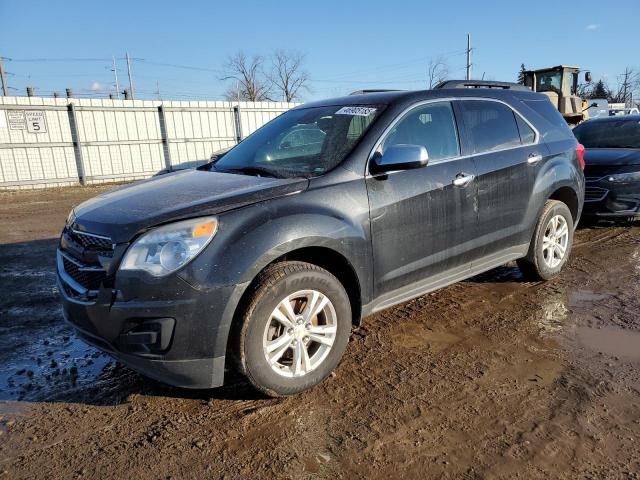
123 212
612 156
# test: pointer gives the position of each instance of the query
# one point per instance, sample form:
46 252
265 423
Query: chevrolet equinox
265 257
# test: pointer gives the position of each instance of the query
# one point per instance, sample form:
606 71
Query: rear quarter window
527 135
549 121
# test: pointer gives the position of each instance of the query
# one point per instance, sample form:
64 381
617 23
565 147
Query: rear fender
560 170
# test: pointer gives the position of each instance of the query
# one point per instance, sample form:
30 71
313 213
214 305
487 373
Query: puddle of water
52 363
614 342
553 314
582 298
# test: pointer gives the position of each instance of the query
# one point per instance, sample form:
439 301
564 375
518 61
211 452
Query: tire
543 261
262 328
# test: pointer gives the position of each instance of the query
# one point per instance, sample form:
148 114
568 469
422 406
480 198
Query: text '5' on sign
36 122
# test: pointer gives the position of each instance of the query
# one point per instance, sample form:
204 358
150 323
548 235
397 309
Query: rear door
507 154
421 222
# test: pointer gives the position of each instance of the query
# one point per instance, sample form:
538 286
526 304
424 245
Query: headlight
71 217
628 177
166 249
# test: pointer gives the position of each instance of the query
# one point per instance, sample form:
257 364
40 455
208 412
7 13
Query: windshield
609 134
300 143
549 82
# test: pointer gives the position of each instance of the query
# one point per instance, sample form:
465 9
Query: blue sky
348 44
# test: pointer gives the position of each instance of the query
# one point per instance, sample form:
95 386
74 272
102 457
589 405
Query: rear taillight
580 152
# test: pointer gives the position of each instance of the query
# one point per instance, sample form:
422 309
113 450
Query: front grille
594 194
87 276
592 179
79 259
90 241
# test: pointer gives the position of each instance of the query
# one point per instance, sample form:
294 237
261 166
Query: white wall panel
119 139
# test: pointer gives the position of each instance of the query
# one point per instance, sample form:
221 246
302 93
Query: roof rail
373 90
481 84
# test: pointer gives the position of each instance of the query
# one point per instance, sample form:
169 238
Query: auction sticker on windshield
359 111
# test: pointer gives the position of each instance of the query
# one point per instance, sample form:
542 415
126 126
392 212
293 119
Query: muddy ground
494 377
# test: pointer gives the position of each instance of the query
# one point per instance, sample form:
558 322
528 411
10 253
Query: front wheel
295 328
551 243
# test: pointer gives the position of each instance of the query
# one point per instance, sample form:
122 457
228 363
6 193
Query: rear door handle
462 179
534 158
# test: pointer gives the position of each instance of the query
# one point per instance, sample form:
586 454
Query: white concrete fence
48 142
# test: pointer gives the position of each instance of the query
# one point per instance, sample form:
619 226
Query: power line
174 65
57 59
411 62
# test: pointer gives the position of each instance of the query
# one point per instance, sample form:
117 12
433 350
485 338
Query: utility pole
626 85
131 91
468 56
115 74
3 78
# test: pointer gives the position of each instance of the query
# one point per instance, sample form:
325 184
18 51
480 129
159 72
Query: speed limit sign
36 122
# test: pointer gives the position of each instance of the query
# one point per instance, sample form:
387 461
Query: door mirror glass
400 157
587 77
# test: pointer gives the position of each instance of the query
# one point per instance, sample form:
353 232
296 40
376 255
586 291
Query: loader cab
560 85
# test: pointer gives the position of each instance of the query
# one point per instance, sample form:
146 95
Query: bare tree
437 70
628 85
287 75
248 78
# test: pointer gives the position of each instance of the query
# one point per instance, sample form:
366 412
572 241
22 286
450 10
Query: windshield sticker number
358 111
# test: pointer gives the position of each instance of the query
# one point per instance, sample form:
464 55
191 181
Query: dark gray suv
265 257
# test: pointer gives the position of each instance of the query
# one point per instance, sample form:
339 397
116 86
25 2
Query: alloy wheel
555 241
300 333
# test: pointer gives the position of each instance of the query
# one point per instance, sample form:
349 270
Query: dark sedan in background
612 169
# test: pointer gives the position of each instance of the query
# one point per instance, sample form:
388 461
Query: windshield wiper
250 170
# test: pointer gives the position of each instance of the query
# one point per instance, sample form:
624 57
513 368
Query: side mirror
400 157
587 77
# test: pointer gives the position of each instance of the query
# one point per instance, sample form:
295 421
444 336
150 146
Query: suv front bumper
166 330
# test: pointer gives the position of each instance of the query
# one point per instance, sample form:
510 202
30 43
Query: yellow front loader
560 84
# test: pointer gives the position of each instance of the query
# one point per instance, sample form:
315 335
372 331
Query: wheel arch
324 257
569 197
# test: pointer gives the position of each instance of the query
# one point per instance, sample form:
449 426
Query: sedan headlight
628 177
167 248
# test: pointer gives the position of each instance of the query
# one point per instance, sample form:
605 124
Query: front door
422 220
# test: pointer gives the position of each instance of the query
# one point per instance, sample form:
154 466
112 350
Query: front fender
250 238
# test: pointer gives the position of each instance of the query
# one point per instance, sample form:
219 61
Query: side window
527 135
492 125
432 126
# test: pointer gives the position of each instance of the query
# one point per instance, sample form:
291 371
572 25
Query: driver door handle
534 158
462 179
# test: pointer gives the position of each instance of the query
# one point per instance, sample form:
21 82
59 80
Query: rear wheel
295 328
551 243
